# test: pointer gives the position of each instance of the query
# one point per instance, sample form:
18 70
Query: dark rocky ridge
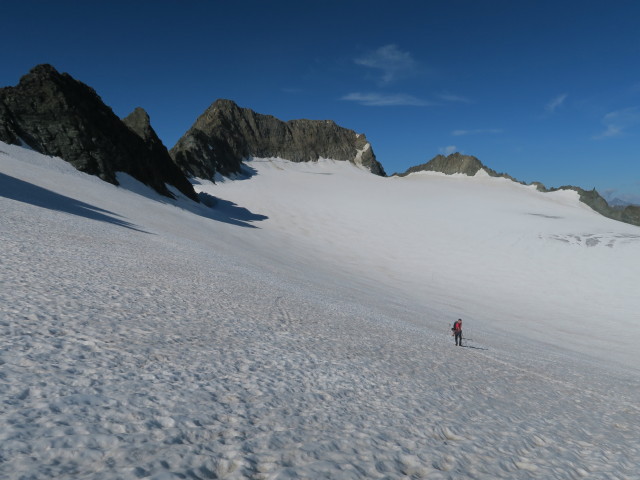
469 165
226 134
59 116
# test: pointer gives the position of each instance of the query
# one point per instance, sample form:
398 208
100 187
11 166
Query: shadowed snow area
15 189
316 345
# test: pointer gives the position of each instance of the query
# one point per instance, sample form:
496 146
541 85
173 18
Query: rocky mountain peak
59 116
450 164
44 73
225 134
43 70
139 122
224 104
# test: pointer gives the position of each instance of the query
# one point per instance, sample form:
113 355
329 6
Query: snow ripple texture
129 355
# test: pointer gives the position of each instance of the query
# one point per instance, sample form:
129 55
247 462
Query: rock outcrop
226 134
451 164
60 116
469 165
455 163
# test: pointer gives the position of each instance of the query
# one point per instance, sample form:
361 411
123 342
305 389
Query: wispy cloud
609 131
617 122
556 103
448 97
448 150
386 100
391 62
477 131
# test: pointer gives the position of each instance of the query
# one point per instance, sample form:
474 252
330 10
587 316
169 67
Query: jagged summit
57 115
140 123
225 134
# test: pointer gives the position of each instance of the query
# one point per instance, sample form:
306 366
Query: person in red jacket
457 332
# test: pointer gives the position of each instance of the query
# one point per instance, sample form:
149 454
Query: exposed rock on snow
450 164
456 163
57 115
225 134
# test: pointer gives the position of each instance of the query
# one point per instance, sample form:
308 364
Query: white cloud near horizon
386 100
448 150
477 131
556 103
618 121
392 63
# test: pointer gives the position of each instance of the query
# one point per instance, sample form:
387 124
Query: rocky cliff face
225 134
60 116
469 165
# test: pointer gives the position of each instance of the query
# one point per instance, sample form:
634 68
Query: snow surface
300 328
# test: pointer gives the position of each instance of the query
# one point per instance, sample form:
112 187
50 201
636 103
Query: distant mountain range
57 115
619 203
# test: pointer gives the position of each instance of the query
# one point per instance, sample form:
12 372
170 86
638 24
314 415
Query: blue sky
543 90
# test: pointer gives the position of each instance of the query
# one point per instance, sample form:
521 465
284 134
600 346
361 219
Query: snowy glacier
300 327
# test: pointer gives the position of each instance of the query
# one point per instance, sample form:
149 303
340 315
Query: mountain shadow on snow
229 212
208 206
25 192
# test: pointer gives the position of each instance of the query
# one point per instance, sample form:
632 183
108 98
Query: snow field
500 253
172 345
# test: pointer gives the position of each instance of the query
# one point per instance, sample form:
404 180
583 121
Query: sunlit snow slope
300 328
504 256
